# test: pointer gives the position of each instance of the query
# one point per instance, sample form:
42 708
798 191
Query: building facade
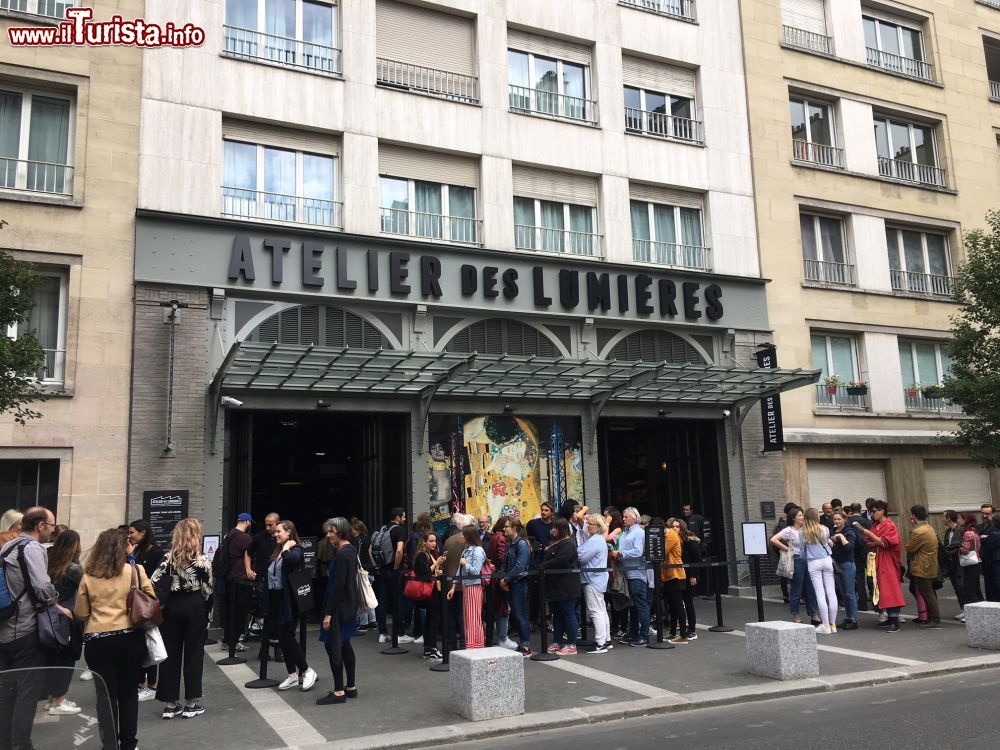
874 129
69 129
452 255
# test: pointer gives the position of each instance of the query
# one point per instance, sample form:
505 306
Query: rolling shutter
956 485
419 36
554 186
655 76
431 166
269 135
548 47
851 481
808 15
664 195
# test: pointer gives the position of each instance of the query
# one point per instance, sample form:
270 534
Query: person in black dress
340 622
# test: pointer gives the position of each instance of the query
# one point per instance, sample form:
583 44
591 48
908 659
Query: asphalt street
922 713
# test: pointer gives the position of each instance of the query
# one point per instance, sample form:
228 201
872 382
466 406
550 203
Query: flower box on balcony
913 391
933 391
832 383
857 390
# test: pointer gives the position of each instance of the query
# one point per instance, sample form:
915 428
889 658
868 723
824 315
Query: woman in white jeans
594 554
820 563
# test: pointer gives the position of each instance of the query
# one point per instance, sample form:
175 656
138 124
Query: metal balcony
43 8
683 9
695 257
995 91
906 66
551 240
458 229
551 104
920 174
248 44
36 176
818 153
256 204
922 284
808 40
828 272
915 400
663 125
840 399
441 83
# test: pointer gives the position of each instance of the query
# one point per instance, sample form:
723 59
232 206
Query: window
26 483
47 8
674 8
906 151
429 209
543 83
553 227
991 48
661 114
824 250
896 47
670 235
279 184
813 133
47 321
35 137
923 362
804 24
836 356
919 262
294 33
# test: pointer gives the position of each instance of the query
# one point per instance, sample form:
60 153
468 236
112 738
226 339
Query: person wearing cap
239 585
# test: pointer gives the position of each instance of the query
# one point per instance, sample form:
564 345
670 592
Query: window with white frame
550 86
923 363
280 184
836 355
46 8
47 321
824 249
896 45
296 33
656 113
428 209
554 227
907 151
669 235
814 136
35 141
919 261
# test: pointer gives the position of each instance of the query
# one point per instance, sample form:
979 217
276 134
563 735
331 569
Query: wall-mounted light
321 404
508 408
663 412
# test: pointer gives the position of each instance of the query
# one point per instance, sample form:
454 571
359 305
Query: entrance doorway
309 466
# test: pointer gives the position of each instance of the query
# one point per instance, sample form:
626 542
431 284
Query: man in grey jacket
19 645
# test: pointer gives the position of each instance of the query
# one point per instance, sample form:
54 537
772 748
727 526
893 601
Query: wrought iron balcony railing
248 44
663 125
442 83
695 257
818 153
459 229
829 272
257 204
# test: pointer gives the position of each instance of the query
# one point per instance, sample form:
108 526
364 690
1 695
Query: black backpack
220 562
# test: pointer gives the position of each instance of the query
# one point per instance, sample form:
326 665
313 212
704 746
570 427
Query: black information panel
308 544
767 511
163 509
655 546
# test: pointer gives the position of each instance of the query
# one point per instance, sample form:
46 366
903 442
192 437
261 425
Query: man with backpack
387 553
228 565
24 587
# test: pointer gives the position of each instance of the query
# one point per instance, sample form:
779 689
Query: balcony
916 401
827 272
695 257
906 66
550 240
912 283
995 91
550 104
456 87
286 52
818 153
920 174
44 8
991 3
36 176
808 40
663 125
683 9
241 203
457 229
839 399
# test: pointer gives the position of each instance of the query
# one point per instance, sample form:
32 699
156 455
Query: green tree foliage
21 359
974 383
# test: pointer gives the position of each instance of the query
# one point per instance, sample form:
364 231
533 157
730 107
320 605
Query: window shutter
956 485
548 47
419 36
554 186
502 336
808 15
656 76
432 166
851 481
270 135
655 346
666 196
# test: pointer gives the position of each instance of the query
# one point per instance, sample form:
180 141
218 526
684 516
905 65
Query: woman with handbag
427 564
114 646
969 559
283 605
562 590
65 572
790 539
471 563
362 542
819 561
339 622
496 552
142 550
183 583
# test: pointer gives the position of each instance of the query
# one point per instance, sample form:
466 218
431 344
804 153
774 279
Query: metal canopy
298 369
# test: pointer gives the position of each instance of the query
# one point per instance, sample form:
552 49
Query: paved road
924 713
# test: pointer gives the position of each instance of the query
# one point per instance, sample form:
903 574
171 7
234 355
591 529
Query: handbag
301 583
786 564
164 585
415 590
487 572
143 609
366 595
156 651
621 598
968 559
54 628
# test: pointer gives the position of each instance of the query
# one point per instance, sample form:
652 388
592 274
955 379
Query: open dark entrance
309 466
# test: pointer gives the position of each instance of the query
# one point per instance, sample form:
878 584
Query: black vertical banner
770 406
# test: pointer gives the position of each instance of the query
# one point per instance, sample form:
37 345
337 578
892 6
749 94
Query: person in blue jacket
514 582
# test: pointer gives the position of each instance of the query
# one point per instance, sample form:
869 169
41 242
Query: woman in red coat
883 539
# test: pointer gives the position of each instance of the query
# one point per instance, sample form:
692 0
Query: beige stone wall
91 234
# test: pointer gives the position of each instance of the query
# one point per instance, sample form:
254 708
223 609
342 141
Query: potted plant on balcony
832 383
933 391
857 388
913 390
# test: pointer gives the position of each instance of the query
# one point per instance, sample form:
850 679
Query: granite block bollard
781 650
486 683
982 625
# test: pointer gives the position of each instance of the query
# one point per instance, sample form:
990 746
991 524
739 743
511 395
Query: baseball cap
244 517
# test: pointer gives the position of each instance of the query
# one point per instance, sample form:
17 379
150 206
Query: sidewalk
403 704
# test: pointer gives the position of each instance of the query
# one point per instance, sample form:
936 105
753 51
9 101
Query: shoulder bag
968 559
786 564
143 609
367 594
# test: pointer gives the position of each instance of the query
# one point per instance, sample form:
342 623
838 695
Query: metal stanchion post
234 634
488 641
659 643
755 569
262 680
444 666
543 653
719 627
709 583
394 648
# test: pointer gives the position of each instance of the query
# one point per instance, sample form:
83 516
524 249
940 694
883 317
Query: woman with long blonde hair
183 581
820 563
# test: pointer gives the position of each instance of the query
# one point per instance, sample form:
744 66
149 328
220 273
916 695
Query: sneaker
625 640
405 639
195 709
884 624
930 626
679 640
86 675
171 713
309 679
597 648
508 644
554 648
567 650
609 645
67 702
419 640
833 628
848 625
883 616
64 708
893 627
639 642
240 646
289 682
823 630
384 638
960 616
145 694
692 636
524 651
433 655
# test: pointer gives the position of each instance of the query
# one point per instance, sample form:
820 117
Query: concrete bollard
982 625
781 650
486 683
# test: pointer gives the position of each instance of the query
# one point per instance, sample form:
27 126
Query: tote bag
301 583
156 651
786 564
367 599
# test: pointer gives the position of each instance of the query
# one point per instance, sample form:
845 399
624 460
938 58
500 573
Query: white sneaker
289 682
309 679
384 638
63 708
960 616
145 694
67 702
405 639
418 640
508 643
86 675
883 616
823 630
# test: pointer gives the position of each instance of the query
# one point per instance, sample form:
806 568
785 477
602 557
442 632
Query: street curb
570 717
